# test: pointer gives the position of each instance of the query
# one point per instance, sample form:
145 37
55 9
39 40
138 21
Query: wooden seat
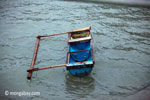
80 39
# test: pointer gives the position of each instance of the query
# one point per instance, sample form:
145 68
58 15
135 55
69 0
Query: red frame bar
34 57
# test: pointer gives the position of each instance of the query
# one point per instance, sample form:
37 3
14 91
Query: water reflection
79 87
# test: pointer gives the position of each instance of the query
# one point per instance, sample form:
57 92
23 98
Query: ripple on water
121 44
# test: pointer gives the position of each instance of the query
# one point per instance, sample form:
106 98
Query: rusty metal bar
42 68
34 57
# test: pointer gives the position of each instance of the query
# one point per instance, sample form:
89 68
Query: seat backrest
80 46
80 56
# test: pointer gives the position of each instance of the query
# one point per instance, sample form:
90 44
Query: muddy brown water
121 44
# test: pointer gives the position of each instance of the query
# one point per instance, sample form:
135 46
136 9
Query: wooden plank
76 64
80 39
81 29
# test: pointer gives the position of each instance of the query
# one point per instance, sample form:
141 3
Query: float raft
80 58
80 50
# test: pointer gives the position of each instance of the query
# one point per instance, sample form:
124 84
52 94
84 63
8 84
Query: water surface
121 44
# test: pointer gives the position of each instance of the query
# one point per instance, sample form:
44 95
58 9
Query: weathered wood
80 39
82 29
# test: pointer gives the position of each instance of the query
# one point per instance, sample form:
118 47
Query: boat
80 58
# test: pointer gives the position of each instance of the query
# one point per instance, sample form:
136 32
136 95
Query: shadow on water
79 86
